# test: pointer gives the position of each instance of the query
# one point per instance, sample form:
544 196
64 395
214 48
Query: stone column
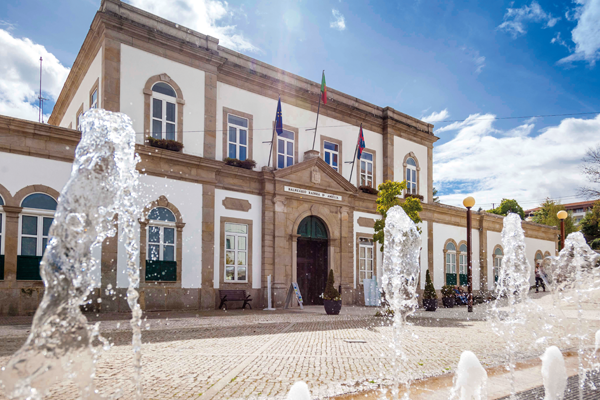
346 267
210 115
430 173
110 296
282 253
388 149
483 256
268 230
111 68
10 293
207 295
430 251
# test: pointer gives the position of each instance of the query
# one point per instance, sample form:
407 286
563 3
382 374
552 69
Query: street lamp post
562 215
469 202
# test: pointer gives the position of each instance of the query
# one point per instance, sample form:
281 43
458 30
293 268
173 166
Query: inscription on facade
312 193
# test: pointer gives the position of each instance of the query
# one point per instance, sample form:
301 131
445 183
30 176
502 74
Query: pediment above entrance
315 174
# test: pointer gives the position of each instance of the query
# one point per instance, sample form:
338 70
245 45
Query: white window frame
94 104
237 137
40 215
285 146
411 185
451 266
2 229
331 154
164 99
366 176
161 243
462 262
236 251
497 264
78 121
363 272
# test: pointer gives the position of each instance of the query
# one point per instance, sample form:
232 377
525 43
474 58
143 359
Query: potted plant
331 298
368 189
448 296
166 144
234 162
429 294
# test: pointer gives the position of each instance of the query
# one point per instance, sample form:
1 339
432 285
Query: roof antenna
40 98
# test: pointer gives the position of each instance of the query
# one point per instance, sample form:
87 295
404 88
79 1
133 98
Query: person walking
539 279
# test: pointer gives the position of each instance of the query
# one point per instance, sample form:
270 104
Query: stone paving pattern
571 392
259 354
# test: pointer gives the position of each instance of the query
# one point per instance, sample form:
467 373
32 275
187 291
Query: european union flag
361 142
279 119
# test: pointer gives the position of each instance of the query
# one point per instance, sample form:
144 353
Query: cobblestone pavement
260 354
571 392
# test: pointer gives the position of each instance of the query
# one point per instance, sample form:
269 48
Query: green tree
546 215
436 198
331 292
429 292
506 206
590 226
390 195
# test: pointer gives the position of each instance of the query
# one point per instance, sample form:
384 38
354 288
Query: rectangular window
366 169
366 252
237 137
34 234
331 153
236 252
450 263
163 117
462 264
78 121
161 243
94 99
285 149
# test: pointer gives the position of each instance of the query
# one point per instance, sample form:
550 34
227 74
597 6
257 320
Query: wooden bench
234 295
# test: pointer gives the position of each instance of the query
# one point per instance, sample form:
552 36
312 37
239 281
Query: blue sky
461 59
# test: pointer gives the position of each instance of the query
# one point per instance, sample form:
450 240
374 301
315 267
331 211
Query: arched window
498 255
462 265
539 256
450 252
34 227
161 264
164 111
411 176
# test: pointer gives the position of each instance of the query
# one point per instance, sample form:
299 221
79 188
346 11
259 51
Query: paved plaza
260 354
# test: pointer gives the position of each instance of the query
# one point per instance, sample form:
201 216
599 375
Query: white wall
187 197
493 239
424 251
137 66
441 233
83 92
401 148
263 111
254 214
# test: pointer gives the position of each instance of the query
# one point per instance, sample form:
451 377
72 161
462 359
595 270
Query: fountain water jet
399 281
470 380
554 374
102 186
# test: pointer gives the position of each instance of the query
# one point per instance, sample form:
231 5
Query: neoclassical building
200 110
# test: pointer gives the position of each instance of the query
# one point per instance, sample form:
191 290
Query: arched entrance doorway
312 259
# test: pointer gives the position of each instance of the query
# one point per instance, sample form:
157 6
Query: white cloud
479 63
436 116
559 40
586 35
204 16
515 19
339 22
492 164
20 76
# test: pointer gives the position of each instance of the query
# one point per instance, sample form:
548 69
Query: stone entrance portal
312 259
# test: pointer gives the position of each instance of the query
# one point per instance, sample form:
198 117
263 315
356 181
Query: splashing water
512 285
299 391
554 374
470 380
102 185
577 280
399 281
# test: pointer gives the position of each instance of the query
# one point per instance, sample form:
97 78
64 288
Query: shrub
429 292
368 189
166 144
413 196
234 162
331 293
447 291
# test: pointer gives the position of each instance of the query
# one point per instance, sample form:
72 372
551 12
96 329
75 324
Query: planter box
430 304
448 302
332 307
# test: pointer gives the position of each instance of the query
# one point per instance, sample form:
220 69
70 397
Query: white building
213 226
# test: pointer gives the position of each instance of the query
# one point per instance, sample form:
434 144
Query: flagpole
273 137
353 160
317 123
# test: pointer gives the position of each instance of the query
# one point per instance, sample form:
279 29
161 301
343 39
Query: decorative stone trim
444 263
179 225
231 203
235 285
21 194
404 165
148 99
366 222
371 151
339 143
535 258
296 141
250 119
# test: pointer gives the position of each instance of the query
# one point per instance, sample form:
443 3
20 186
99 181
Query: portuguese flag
324 89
